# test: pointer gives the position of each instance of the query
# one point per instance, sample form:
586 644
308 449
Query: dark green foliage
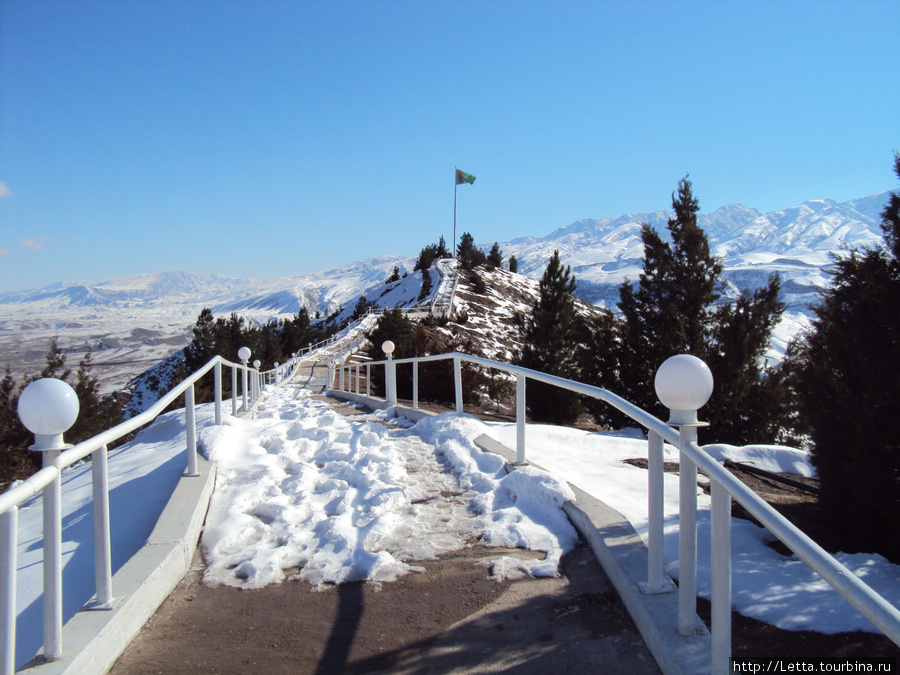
426 258
393 326
846 376
513 264
268 342
551 337
468 255
673 310
363 306
426 285
442 251
97 413
495 257
395 276
478 284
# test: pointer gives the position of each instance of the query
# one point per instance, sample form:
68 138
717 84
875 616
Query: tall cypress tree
846 375
551 337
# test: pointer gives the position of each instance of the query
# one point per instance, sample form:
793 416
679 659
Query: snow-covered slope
134 322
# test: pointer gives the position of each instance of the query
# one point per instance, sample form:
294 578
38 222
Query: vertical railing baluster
687 537
655 511
520 418
368 381
190 432
457 384
102 544
9 526
415 392
217 389
234 391
52 603
721 578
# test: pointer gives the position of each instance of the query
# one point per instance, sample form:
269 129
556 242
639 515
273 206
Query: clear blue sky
262 138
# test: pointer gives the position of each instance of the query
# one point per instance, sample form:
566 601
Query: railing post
520 418
341 387
48 408
656 580
234 391
357 378
244 355
217 389
52 603
457 384
415 391
721 578
9 526
687 536
103 598
368 381
190 432
684 384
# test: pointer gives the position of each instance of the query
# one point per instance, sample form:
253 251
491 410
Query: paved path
451 618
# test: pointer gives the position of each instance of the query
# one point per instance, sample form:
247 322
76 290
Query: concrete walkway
451 618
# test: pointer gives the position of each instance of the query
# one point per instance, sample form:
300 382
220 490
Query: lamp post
390 373
244 356
257 378
684 384
48 408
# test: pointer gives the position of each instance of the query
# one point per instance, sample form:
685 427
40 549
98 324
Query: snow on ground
304 491
766 585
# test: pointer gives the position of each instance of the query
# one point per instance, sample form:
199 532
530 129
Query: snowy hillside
132 323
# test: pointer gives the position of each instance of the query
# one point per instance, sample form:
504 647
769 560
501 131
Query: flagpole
455 182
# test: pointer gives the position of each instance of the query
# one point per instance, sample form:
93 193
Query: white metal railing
48 480
724 487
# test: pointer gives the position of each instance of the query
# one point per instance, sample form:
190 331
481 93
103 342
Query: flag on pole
463 177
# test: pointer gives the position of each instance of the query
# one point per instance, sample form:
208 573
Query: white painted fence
48 481
724 487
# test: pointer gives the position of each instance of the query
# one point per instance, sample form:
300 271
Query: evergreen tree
203 344
393 326
395 276
468 255
551 337
442 251
495 257
426 285
673 310
846 376
426 258
513 264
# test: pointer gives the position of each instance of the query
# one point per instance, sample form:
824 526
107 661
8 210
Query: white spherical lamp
48 408
244 354
684 384
387 347
257 363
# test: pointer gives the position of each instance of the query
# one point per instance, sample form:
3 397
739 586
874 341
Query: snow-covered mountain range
132 322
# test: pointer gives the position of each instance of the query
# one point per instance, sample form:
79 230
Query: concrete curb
93 640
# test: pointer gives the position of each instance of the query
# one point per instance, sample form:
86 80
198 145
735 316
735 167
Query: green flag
463 177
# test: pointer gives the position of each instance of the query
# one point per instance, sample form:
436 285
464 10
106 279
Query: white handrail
47 480
725 486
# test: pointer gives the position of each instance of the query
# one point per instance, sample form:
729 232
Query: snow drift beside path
766 585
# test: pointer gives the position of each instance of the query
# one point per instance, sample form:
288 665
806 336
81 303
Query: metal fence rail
724 486
48 481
